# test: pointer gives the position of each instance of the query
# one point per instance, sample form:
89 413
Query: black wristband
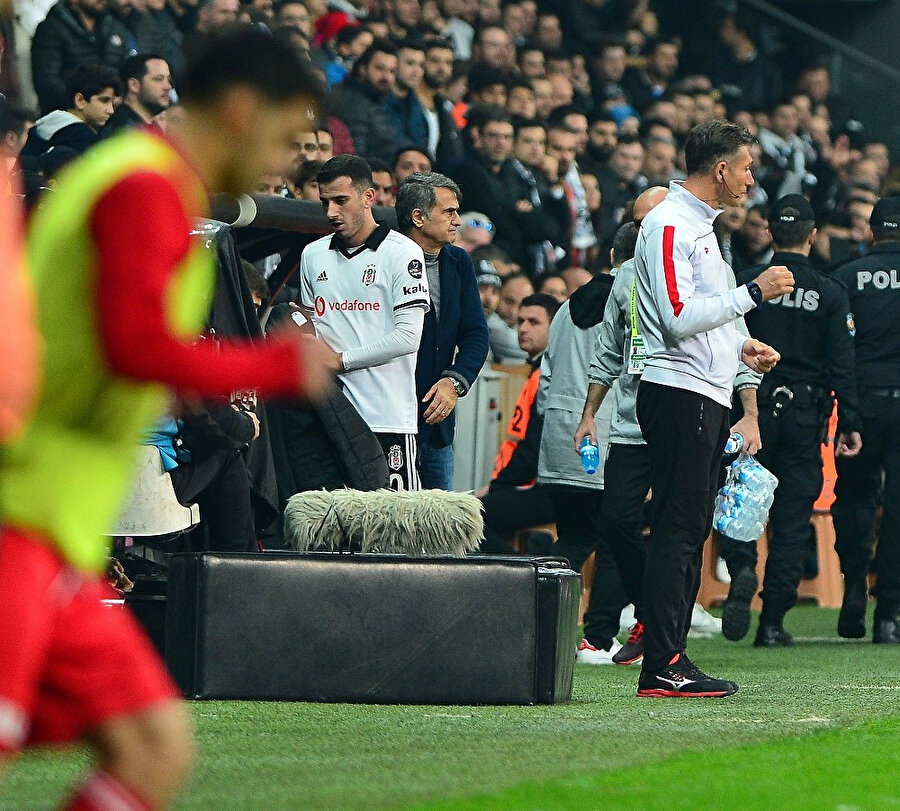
755 293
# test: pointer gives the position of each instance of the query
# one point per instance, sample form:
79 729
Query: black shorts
400 452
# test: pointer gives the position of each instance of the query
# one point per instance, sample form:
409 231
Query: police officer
873 282
813 329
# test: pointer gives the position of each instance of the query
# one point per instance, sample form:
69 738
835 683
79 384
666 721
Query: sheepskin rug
423 523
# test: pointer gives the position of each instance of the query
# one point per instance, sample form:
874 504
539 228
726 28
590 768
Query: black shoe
886 632
683 679
852 619
736 613
633 650
772 636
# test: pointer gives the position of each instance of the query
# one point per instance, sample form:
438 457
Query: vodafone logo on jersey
346 306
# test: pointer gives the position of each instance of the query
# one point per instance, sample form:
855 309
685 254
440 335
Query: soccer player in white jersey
367 293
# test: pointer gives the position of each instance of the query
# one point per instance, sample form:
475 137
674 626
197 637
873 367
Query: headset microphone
725 184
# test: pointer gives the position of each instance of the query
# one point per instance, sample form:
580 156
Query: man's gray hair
418 192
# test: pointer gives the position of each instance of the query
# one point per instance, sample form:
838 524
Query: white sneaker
626 619
703 623
590 655
722 572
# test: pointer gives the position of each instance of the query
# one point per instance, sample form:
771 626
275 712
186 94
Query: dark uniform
873 283
812 329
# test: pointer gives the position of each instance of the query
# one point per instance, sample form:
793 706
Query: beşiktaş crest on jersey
395 458
415 269
368 277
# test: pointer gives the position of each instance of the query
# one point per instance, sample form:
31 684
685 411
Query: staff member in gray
686 313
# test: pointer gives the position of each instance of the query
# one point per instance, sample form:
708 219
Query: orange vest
518 425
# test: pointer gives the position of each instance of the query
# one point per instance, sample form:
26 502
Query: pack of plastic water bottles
742 505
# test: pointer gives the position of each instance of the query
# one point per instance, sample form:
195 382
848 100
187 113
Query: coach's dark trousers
685 434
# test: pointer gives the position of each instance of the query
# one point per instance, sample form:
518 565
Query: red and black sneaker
681 678
633 650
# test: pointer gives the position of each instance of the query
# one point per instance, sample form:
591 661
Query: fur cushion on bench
426 522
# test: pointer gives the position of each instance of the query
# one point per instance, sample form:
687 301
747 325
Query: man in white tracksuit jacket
687 313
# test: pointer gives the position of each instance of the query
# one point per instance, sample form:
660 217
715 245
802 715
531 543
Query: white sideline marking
812 719
869 686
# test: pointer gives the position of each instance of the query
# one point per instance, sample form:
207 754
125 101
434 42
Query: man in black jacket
74 32
873 283
493 183
147 84
359 102
812 327
454 341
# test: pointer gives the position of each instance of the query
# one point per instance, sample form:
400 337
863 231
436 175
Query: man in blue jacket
455 336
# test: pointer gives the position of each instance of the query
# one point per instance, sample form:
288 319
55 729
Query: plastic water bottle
590 456
742 505
735 443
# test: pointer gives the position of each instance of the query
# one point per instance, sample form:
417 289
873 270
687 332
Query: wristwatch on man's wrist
755 293
458 387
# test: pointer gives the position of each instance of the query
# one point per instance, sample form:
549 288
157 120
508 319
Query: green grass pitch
816 726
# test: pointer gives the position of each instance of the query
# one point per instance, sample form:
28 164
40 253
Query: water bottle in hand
590 456
735 443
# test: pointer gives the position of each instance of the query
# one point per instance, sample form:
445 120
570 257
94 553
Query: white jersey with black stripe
354 295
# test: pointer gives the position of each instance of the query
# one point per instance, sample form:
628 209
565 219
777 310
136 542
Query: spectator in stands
503 324
461 16
493 47
603 135
743 65
147 85
170 37
343 50
410 158
660 155
403 102
488 86
402 18
513 501
784 153
608 66
475 230
305 183
294 13
74 32
579 241
621 180
649 84
752 243
492 183
326 143
489 284
521 100
365 289
531 62
14 125
553 284
454 341
548 33
382 182
500 263
359 102
91 90
543 96
726 225
576 277
443 140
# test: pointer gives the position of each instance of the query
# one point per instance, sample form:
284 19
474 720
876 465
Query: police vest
68 475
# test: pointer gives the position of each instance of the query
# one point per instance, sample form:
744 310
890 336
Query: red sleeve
142 232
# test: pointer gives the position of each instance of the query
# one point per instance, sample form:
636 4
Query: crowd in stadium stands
549 117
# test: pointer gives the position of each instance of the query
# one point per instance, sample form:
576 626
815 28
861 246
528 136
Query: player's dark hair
711 142
243 55
351 166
